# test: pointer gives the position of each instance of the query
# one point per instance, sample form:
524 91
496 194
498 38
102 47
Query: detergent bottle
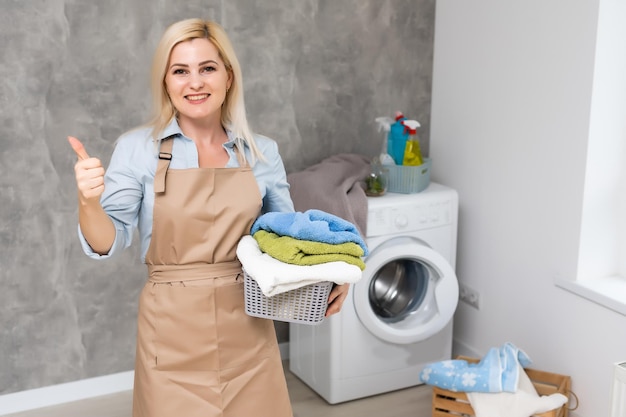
384 125
412 152
397 138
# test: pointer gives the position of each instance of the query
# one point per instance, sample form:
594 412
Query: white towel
275 277
525 402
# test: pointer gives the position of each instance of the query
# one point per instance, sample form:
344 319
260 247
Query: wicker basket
305 305
448 403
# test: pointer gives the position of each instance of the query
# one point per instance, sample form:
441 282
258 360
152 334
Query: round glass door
397 289
408 292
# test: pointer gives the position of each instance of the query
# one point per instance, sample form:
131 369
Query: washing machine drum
408 292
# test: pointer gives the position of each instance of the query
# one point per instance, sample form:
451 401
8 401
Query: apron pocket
242 339
185 329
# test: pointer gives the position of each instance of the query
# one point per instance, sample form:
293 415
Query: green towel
307 252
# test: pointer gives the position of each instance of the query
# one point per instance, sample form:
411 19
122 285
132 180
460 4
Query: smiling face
196 81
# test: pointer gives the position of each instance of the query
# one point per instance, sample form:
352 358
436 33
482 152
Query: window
602 253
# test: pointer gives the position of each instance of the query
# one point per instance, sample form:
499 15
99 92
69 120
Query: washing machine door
408 291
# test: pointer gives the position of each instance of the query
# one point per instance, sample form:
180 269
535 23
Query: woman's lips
197 98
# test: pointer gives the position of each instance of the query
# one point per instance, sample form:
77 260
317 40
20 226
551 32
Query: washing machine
398 317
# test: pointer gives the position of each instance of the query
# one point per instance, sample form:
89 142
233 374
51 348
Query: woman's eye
208 69
178 71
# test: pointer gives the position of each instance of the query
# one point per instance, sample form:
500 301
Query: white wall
510 122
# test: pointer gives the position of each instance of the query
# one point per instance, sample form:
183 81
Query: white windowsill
609 292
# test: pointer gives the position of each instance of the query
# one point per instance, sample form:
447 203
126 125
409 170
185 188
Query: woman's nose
196 81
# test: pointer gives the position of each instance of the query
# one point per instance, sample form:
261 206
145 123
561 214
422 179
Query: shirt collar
173 129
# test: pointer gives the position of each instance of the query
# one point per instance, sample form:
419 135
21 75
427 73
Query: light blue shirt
128 196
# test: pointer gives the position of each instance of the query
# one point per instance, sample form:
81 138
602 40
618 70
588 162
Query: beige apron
198 353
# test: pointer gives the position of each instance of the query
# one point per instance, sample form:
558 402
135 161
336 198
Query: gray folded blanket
334 186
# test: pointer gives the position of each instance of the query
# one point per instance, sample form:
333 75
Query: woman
193 181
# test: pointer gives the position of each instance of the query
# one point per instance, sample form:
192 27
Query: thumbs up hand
89 172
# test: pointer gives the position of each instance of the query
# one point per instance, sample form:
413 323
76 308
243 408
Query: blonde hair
233 110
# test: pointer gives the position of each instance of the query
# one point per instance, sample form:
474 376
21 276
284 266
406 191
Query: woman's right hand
89 173
96 226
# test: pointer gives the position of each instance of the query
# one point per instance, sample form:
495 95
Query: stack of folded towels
286 251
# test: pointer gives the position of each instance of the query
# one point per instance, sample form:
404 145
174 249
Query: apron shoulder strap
165 157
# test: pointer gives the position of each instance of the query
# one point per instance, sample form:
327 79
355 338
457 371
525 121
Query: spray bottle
412 151
384 125
397 139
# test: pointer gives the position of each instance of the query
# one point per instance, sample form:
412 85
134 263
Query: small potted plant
376 182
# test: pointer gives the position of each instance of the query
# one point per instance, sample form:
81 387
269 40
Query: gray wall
316 73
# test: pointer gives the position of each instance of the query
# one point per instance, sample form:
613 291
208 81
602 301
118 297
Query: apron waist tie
192 272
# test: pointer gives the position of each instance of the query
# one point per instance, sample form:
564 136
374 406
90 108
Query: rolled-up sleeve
277 196
121 200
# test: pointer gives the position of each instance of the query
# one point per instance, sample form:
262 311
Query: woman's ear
229 82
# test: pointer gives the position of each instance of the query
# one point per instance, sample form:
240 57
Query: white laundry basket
305 305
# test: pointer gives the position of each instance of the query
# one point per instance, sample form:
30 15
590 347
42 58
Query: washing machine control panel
408 217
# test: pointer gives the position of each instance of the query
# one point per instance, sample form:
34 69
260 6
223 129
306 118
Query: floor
409 402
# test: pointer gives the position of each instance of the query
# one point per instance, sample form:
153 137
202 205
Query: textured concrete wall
317 73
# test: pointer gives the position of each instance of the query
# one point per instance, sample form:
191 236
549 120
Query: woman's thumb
78 147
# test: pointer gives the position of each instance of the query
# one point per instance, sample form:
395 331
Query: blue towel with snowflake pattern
498 371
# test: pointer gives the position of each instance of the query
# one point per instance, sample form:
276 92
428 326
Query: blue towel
314 225
498 371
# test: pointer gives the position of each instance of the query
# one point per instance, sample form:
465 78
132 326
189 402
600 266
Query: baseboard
78 390
65 393
460 348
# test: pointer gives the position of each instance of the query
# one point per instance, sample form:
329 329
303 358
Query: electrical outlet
469 296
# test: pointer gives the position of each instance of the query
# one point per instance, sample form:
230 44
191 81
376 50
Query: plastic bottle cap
411 125
384 123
